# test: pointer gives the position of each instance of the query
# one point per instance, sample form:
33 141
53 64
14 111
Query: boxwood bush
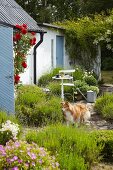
73 148
33 107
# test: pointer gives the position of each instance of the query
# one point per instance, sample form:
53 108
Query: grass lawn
107 77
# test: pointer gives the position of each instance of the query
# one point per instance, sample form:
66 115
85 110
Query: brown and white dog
78 112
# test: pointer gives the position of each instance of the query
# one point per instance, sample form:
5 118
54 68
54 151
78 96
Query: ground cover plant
73 148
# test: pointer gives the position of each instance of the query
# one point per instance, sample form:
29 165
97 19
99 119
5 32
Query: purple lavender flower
15 158
15 168
33 156
19 161
40 161
17 144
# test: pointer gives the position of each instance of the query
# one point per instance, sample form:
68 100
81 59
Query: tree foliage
60 10
84 34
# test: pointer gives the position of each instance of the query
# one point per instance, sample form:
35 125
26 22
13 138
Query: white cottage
50 54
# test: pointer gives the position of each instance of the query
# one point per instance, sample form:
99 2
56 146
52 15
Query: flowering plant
21 155
8 131
23 41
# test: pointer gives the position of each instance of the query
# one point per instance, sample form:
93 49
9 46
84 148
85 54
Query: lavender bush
20 155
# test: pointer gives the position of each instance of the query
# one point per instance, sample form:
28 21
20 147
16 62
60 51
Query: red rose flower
24 31
24 64
33 41
18 26
17 78
33 33
25 26
18 36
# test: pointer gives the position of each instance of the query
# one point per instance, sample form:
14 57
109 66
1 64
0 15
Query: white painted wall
44 62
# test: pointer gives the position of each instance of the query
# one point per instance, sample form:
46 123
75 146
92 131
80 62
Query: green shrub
29 95
73 148
78 74
93 88
103 101
47 113
4 117
47 77
34 108
21 155
105 138
107 111
90 80
83 87
55 88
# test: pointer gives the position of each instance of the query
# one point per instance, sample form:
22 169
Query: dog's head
65 105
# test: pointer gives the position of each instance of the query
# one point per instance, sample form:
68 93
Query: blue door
59 51
6 70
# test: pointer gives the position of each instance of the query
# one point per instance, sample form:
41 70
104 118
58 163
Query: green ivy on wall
84 34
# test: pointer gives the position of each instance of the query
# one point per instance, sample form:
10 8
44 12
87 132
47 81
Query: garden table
62 78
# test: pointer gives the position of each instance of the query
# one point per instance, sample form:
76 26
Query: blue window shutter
6 69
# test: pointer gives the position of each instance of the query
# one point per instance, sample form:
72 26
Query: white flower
9 126
108 40
108 32
95 42
101 38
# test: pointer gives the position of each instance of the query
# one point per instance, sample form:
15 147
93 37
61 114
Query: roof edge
50 25
13 26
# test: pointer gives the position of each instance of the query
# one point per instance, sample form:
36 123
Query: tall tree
95 6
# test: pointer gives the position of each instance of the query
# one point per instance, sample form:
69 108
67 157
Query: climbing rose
18 36
24 64
17 78
33 33
33 41
24 25
18 26
24 31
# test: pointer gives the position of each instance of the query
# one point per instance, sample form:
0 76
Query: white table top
67 71
67 77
